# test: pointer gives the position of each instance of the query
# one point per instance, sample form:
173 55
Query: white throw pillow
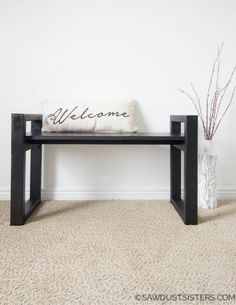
89 117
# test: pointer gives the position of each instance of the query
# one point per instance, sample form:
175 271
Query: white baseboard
226 193
148 194
106 194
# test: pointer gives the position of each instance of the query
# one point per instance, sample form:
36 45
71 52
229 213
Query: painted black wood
190 170
17 170
101 138
22 141
35 169
20 210
33 117
186 207
175 164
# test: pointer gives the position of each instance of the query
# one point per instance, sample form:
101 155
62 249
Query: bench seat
142 138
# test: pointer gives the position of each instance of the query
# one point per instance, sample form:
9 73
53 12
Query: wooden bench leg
18 156
35 180
190 172
35 173
186 207
21 210
175 167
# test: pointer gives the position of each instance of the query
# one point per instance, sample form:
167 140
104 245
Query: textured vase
207 178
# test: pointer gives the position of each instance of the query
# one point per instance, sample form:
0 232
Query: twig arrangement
216 105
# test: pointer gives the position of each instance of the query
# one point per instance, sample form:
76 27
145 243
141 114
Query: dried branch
210 84
212 115
230 102
223 91
196 107
198 99
214 99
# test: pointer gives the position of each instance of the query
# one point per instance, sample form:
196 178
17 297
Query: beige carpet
107 252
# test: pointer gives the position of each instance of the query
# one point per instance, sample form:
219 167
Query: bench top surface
105 138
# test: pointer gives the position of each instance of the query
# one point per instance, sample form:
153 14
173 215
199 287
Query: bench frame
188 144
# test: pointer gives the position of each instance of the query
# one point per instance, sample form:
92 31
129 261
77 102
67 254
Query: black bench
23 141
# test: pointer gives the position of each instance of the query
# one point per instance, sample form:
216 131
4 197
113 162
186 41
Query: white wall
106 49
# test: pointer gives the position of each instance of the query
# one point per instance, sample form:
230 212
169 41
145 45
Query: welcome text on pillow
61 115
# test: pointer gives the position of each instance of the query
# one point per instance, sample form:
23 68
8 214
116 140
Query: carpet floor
117 252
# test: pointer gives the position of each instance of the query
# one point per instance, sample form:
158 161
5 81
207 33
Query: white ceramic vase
207 177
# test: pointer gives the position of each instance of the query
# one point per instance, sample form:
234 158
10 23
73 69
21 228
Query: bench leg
186 207
190 173
175 167
35 180
18 171
21 210
175 178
